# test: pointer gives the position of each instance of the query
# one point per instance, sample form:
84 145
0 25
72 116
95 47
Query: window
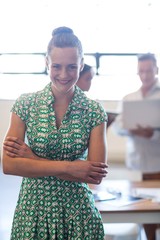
22 63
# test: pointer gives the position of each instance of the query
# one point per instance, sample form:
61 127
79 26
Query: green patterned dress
49 208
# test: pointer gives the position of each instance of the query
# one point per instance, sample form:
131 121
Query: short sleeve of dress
21 106
97 114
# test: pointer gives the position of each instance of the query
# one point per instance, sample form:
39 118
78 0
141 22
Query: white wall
116 144
5 106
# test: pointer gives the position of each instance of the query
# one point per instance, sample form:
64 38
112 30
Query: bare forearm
80 171
34 167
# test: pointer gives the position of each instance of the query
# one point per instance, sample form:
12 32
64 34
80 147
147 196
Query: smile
63 82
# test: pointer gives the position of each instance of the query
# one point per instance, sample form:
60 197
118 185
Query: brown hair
86 68
64 37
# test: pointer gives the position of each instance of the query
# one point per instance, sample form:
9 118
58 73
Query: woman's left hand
15 147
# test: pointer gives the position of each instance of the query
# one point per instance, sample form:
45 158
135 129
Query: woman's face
64 65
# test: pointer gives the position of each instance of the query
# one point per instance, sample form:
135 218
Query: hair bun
60 30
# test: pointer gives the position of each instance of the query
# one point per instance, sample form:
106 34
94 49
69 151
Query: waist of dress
51 181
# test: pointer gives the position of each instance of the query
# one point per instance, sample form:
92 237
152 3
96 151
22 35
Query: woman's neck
61 97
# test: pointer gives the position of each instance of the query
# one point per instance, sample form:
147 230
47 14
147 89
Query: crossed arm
18 158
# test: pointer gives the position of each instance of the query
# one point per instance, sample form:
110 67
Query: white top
141 153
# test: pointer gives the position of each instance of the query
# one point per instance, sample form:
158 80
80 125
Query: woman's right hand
87 171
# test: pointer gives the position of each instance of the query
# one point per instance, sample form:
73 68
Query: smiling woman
62 127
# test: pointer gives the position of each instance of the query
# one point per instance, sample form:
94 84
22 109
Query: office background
113 32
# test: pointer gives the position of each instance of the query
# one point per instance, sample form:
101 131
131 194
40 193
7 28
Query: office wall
5 106
116 144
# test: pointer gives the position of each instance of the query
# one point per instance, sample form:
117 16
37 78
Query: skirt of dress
52 209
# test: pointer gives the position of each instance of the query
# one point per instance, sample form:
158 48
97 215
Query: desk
140 212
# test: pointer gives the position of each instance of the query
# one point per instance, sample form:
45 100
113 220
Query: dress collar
79 100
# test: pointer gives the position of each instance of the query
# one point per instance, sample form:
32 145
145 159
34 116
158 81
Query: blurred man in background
143 143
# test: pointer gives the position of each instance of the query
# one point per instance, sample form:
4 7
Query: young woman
60 124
